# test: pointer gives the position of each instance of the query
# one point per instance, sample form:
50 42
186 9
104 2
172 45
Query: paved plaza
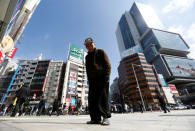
149 121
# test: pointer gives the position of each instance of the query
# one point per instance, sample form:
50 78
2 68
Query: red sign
1 57
173 88
67 100
44 84
12 52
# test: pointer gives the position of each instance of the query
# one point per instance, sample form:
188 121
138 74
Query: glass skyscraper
140 30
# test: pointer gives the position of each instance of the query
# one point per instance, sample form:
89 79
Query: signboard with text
12 52
173 88
76 54
162 80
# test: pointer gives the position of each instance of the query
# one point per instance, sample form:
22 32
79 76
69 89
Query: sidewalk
150 121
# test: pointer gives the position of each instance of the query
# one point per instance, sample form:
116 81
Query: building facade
32 73
134 74
75 82
7 70
160 48
53 85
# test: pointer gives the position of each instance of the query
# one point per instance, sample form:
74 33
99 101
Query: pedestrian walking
141 107
22 95
78 106
59 109
41 108
70 109
98 72
163 104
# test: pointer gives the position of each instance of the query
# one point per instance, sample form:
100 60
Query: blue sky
56 23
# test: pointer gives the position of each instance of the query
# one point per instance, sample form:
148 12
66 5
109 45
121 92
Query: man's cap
88 40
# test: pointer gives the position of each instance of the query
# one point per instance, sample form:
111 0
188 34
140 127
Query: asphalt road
150 121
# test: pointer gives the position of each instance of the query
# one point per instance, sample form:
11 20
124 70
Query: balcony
79 89
79 83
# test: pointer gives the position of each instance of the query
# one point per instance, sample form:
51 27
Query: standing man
98 72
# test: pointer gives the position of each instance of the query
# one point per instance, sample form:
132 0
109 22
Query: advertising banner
73 102
181 67
76 53
12 52
1 56
71 90
173 88
162 80
67 100
44 84
168 95
73 74
72 84
15 14
72 79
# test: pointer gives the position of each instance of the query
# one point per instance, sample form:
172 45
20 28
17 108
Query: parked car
180 107
193 106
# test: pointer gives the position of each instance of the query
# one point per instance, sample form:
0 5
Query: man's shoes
105 122
93 122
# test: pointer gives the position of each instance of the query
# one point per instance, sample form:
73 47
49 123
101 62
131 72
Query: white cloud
181 5
177 29
192 51
190 37
191 32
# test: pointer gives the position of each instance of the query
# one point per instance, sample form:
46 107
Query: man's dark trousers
98 98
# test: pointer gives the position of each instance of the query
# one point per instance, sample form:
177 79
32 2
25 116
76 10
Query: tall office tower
132 25
137 81
53 83
75 81
165 50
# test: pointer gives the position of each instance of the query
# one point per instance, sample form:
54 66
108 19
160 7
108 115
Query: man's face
90 46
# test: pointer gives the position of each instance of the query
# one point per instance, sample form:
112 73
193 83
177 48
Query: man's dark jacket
97 64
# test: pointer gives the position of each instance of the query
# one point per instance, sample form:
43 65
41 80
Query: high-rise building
32 73
137 81
53 85
44 77
75 81
140 30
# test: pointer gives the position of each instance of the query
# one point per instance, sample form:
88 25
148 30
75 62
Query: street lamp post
138 86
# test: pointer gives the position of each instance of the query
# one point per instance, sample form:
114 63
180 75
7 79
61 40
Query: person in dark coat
41 106
22 95
98 72
55 106
163 104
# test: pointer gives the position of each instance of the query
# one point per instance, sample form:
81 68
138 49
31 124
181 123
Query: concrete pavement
155 121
